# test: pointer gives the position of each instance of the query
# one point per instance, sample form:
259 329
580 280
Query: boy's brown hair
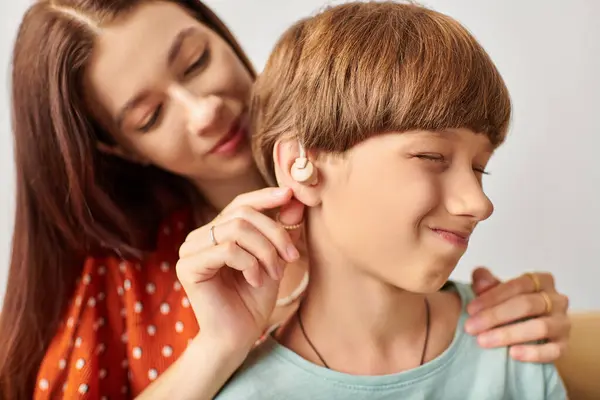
364 68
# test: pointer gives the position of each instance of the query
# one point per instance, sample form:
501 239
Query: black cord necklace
314 349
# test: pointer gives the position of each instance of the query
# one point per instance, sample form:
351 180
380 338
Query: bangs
361 69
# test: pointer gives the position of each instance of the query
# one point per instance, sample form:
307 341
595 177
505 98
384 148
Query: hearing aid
303 171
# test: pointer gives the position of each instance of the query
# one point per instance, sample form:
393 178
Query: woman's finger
483 280
236 227
542 353
509 289
263 199
543 328
271 229
205 265
514 309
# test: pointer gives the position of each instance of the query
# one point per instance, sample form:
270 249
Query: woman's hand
233 304
516 312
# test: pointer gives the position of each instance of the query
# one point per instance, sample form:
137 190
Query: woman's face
172 93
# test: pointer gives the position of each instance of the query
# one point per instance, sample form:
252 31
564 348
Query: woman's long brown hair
72 201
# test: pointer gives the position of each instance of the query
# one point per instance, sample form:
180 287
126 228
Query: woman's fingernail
516 352
292 252
471 326
281 192
473 307
487 339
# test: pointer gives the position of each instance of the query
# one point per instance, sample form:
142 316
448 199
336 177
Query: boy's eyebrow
449 134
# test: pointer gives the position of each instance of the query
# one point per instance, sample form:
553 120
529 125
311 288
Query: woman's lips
229 144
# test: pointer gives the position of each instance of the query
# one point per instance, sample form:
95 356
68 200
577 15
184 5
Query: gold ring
548 302
288 227
537 286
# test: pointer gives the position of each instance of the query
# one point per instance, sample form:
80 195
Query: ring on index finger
211 233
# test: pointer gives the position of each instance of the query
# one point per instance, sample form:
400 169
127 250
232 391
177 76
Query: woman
130 131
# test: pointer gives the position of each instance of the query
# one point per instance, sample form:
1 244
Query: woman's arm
232 290
199 373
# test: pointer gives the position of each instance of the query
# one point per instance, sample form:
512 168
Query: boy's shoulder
463 370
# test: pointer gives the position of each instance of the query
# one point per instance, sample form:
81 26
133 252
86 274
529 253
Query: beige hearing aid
303 171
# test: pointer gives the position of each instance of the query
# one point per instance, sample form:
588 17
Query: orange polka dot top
127 323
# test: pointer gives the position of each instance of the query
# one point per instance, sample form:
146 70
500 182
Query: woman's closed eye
151 120
195 67
198 63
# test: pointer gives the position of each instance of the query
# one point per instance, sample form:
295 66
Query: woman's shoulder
127 320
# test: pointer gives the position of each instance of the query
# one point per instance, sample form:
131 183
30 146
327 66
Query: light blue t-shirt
464 371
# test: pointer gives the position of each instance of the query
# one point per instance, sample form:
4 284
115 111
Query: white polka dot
165 267
101 270
137 353
177 286
62 364
83 388
138 266
167 230
99 323
124 389
101 296
44 384
124 337
78 342
123 266
87 279
180 225
185 302
123 312
120 291
78 301
124 364
130 375
167 351
100 348
64 388
138 307
91 302
151 330
165 308
103 398
127 284
179 326
152 374
80 363
102 373
70 322
150 288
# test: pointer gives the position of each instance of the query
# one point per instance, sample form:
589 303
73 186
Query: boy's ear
295 169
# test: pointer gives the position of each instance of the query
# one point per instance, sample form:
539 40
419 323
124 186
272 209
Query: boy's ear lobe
291 167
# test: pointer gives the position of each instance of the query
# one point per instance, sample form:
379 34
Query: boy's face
401 207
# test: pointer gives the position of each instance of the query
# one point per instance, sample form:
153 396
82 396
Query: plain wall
545 180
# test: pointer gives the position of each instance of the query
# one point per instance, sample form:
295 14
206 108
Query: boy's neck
360 325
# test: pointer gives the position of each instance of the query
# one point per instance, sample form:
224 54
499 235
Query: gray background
545 181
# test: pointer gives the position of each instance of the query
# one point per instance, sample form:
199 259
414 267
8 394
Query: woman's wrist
206 365
200 372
